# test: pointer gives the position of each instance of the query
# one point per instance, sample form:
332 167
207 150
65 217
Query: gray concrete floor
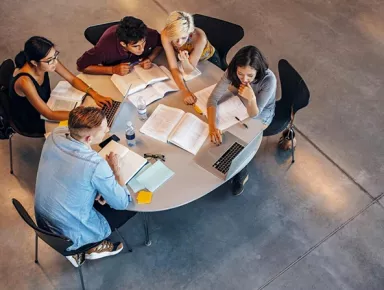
318 224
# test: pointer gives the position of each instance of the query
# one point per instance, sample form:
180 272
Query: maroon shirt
108 50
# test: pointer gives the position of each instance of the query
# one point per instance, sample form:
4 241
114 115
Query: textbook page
187 77
152 75
149 94
123 83
190 133
161 123
130 162
64 90
63 105
167 85
226 111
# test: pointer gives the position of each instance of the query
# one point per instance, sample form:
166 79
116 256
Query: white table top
190 181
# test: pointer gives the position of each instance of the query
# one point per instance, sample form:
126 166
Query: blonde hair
83 119
179 23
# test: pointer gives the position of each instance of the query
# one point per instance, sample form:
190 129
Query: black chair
57 242
6 71
221 34
294 96
93 33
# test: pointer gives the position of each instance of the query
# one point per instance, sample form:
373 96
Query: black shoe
238 187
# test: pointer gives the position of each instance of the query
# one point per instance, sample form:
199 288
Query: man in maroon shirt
121 47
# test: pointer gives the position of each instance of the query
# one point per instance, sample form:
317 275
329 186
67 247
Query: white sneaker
104 249
76 260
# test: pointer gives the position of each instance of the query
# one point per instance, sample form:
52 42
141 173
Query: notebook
130 162
173 125
64 97
189 76
226 111
151 177
156 91
139 78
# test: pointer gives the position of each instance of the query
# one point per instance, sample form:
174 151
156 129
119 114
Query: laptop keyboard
111 111
225 160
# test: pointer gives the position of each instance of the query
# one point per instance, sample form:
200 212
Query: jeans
216 60
239 177
115 218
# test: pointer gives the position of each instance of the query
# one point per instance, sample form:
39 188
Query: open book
156 91
139 78
64 97
189 76
226 111
130 162
173 125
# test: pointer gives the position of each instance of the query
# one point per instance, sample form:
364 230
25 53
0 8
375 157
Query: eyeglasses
53 59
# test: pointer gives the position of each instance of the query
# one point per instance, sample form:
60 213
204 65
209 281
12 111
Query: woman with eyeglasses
30 88
182 40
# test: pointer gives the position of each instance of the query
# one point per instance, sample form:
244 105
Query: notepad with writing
226 111
138 79
130 162
189 76
156 91
168 124
64 97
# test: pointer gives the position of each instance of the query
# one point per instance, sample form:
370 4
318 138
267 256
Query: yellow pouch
144 197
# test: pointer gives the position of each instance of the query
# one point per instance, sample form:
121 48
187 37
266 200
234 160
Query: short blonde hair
82 119
179 23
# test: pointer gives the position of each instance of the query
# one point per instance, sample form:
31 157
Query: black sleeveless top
24 115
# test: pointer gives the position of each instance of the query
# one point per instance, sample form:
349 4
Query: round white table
190 181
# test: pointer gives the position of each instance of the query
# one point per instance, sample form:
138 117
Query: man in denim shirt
71 176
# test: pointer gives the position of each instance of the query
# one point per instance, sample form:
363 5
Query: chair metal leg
124 241
146 229
293 149
81 278
36 248
10 153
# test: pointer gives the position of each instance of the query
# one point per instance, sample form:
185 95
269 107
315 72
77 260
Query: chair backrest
221 34
294 91
57 242
93 33
6 71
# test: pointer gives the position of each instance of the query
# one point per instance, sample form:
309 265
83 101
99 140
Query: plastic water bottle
130 135
142 108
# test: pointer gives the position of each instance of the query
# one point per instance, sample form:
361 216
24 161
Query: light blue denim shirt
69 177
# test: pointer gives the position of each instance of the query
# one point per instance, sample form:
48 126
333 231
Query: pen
245 125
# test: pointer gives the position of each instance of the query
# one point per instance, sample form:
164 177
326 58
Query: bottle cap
129 123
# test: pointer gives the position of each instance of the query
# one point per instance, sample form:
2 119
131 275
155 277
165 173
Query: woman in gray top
248 77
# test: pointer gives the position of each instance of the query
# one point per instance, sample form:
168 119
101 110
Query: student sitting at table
181 38
120 47
71 176
248 77
30 88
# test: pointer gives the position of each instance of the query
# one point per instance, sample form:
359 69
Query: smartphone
106 141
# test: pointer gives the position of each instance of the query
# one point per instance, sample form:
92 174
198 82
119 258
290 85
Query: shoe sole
73 261
95 256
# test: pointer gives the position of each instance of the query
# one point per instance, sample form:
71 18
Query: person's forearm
155 53
211 112
98 70
187 66
178 79
252 108
57 115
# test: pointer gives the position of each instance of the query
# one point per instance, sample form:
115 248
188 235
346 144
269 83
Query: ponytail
20 59
36 48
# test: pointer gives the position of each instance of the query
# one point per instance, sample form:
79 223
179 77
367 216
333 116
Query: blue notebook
153 177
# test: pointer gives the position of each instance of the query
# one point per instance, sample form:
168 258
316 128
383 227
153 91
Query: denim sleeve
218 91
105 183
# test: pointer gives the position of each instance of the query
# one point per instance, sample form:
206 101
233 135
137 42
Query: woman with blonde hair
182 40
